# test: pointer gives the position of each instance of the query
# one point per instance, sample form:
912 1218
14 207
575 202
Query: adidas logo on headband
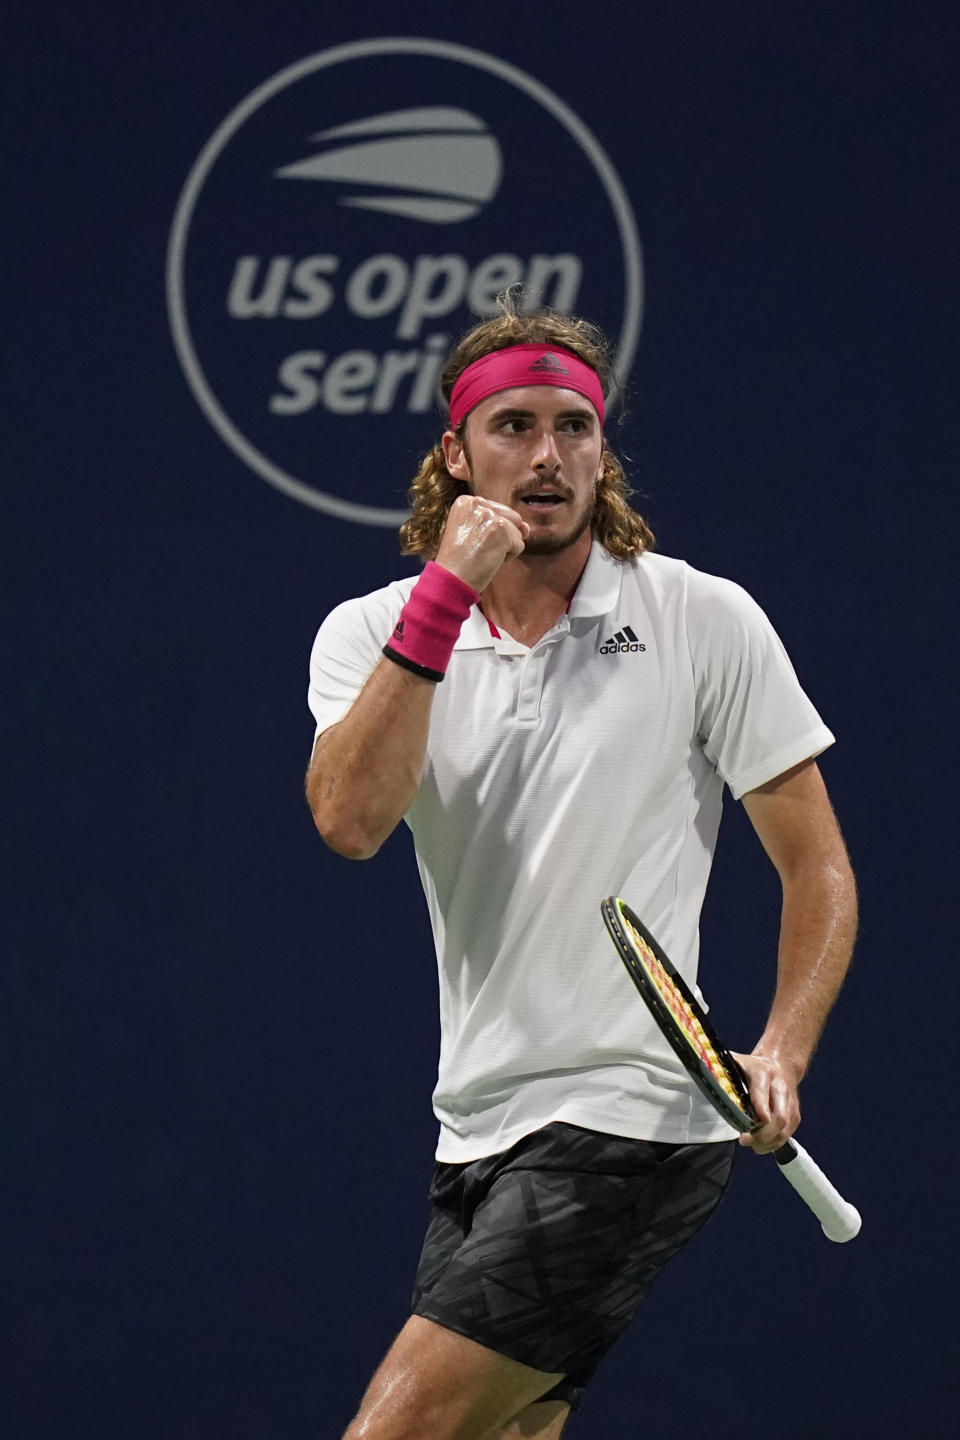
548 365
515 366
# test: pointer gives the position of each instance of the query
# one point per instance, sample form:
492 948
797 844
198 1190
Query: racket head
679 1014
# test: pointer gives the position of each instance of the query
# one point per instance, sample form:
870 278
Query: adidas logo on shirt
624 642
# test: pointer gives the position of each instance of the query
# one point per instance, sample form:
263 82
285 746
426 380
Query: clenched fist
479 536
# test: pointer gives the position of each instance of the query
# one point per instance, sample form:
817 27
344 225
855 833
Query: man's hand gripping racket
684 1024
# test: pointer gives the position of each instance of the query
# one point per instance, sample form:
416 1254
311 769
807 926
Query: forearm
365 771
817 931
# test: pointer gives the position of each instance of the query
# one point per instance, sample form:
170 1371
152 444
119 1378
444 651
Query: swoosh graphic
467 166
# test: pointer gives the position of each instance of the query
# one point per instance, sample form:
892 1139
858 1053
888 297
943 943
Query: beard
552 544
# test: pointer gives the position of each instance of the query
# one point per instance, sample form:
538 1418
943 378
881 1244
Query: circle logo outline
353 50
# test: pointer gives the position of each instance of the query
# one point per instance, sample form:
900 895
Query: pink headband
523 365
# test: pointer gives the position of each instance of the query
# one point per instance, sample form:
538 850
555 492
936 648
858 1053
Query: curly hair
619 528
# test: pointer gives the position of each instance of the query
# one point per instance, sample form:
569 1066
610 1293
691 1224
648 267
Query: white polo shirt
591 764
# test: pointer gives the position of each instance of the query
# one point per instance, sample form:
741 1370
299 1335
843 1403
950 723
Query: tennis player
555 710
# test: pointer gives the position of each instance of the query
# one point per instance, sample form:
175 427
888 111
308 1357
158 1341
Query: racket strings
690 1026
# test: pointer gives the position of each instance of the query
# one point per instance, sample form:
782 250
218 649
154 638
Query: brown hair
617 526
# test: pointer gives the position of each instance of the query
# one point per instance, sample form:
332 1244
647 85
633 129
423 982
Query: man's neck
529 593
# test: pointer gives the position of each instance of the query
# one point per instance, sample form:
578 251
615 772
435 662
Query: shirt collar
596 594
599 588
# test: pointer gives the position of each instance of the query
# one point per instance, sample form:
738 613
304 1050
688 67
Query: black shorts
546 1252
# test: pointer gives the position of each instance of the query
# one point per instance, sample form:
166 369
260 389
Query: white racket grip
839 1220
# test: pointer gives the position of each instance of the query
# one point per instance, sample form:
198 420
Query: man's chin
551 543
546 545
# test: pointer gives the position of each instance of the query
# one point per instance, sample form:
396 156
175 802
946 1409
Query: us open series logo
347 221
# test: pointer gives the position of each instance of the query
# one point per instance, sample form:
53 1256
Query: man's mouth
543 500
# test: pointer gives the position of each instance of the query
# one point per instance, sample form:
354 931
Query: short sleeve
754 720
347 650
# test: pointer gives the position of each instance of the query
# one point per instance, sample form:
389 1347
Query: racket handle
839 1220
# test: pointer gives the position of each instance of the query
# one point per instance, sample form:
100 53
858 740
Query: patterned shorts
546 1252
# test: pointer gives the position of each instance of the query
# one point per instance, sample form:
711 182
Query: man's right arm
366 769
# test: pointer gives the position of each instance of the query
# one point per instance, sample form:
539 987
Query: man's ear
455 456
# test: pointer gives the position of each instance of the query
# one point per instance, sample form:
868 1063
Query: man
595 698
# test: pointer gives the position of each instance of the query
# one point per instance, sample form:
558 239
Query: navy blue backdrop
218 1053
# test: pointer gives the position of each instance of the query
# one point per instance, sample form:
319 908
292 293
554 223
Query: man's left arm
794 820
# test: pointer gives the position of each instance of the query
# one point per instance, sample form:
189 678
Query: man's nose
546 455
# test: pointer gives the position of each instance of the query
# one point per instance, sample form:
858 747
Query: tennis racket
712 1067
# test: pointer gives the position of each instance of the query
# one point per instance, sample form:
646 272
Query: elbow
351 847
339 817
345 837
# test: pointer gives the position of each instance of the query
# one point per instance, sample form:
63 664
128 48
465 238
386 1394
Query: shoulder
715 619
363 614
710 600
701 594
353 633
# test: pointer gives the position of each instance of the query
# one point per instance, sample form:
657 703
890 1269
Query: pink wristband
430 622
